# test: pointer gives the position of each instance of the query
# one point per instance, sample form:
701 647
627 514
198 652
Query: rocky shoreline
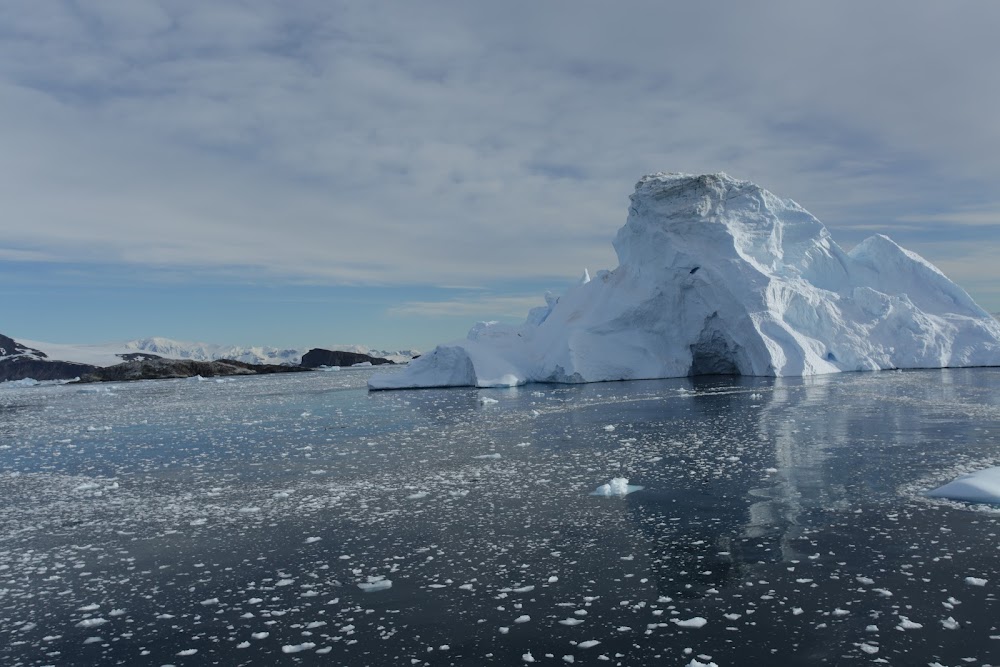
18 362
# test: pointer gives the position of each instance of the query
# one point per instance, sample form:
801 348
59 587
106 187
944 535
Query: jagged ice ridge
719 276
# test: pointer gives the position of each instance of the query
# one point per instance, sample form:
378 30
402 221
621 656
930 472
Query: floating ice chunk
486 400
375 584
310 540
697 663
260 635
487 456
522 619
91 622
609 428
243 645
590 643
296 648
950 623
975 581
618 486
695 622
982 486
527 657
571 621
187 651
417 496
906 624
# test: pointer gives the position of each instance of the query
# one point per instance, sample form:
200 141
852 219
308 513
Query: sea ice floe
618 486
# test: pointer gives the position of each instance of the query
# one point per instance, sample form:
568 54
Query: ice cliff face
719 276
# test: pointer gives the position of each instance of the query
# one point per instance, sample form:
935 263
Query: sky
319 172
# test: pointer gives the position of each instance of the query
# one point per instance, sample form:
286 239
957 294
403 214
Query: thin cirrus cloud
460 143
480 306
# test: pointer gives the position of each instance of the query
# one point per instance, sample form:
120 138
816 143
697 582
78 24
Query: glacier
719 276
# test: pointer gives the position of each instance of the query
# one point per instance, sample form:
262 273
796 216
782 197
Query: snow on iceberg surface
719 276
982 486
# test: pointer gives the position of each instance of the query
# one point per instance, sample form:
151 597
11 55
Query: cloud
464 143
485 306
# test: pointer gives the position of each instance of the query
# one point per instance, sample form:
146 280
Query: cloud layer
456 143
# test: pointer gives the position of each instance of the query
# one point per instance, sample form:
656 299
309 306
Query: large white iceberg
719 276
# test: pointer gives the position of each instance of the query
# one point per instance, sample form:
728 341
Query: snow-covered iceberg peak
717 275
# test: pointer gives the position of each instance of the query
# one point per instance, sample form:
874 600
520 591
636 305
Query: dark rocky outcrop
24 366
19 362
10 347
155 369
137 356
317 357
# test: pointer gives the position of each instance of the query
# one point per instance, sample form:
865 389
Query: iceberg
982 486
718 276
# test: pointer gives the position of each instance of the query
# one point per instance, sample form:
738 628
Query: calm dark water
780 523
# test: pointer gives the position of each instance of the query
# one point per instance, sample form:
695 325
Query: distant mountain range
108 354
44 361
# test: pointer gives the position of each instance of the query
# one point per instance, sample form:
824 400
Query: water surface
186 522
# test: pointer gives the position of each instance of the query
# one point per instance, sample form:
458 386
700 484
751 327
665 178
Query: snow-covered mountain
108 354
717 275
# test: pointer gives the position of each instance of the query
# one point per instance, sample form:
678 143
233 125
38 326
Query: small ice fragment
527 657
487 456
868 648
950 623
695 622
522 619
417 496
260 635
188 651
295 648
91 622
375 585
486 400
609 427
243 645
310 540
618 486
907 624
975 581
590 643
571 621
